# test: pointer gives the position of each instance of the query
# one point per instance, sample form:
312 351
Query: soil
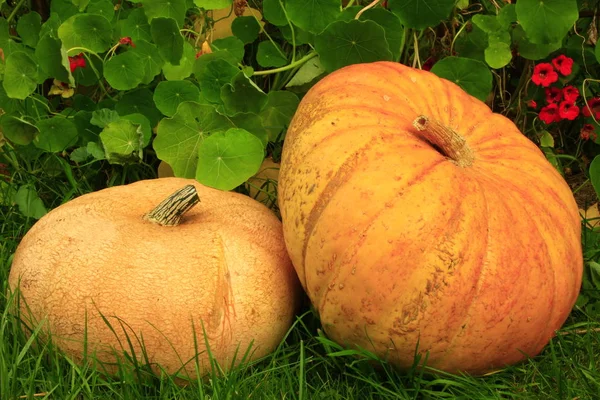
586 195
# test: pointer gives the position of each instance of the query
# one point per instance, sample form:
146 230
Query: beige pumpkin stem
171 209
449 142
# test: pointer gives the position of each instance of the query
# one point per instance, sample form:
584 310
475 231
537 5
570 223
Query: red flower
553 95
532 104
587 131
570 93
549 114
126 40
593 105
544 75
76 62
568 110
563 64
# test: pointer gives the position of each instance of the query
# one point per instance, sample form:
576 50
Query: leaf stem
289 66
15 10
370 5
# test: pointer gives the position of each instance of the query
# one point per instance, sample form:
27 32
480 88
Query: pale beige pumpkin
223 268
415 215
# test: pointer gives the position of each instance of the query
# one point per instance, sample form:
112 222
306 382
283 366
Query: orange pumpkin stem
170 211
450 143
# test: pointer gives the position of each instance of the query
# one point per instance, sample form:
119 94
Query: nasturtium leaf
213 4
546 139
168 95
177 138
4 35
185 67
487 23
81 4
20 75
245 28
144 124
529 50
102 7
91 31
85 130
472 44
344 43
79 155
228 159
122 141
278 112
203 60
16 130
29 27
472 76
391 25
37 106
29 203
421 14
212 76
165 9
87 76
269 54
51 26
507 15
274 13
49 58
252 123
123 71
312 15
498 55
65 9
137 26
242 95
547 21
309 71
55 134
8 104
231 44
103 117
149 60
139 101
96 150
168 39
595 174
300 36
83 103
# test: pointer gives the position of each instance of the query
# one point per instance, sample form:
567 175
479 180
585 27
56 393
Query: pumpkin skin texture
224 268
475 259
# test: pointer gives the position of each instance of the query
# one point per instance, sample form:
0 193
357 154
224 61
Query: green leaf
487 23
277 114
123 71
472 44
90 31
177 138
137 26
308 72
345 43
507 15
185 67
168 95
421 14
597 52
51 26
270 55
242 95
230 44
546 140
212 76
497 55
18 131
96 151
79 155
595 174
102 7
274 13
228 159
80 4
144 124
300 36
122 141
246 29
29 203
252 123
56 134
103 117
49 58
391 25
149 60
312 15
166 9
213 4
139 101
64 8
472 76
8 104
168 39
29 27
547 21
20 75
87 76
529 50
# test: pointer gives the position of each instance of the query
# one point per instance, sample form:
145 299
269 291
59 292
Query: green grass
306 366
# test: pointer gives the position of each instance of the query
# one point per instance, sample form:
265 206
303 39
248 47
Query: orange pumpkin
416 217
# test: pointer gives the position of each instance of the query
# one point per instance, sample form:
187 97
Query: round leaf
532 51
137 26
213 4
472 76
56 134
312 15
228 159
595 174
421 14
86 30
212 76
28 28
185 67
149 59
144 124
48 55
497 55
242 95
168 39
274 12
547 21
122 141
472 44
102 7
246 28
171 9
270 55
344 43
20 75
17 130
139 101
29 203
230 44
277 114
170 94
123 71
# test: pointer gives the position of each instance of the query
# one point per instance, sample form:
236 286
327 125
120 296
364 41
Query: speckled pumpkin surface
223 269
467 245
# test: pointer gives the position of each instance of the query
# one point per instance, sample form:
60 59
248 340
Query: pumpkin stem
450 143
171 209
